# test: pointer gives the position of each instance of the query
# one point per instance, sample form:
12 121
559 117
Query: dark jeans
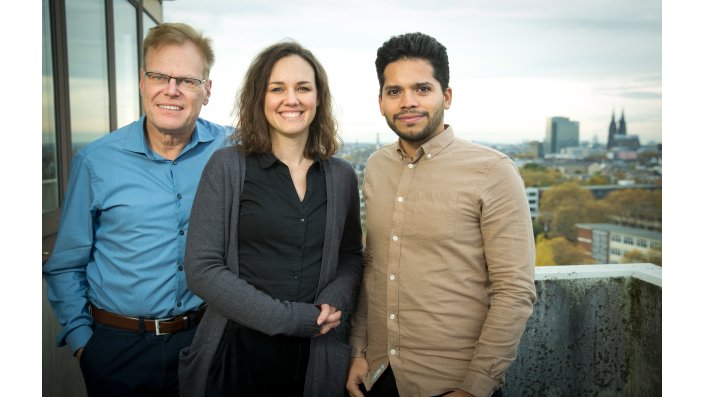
250 363
386 386
122 363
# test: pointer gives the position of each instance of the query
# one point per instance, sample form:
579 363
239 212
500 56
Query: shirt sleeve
510 253
65 271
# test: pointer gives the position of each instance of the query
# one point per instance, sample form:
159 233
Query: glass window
147 23
126 62
628 240
617 238
641 243
50 181
88 71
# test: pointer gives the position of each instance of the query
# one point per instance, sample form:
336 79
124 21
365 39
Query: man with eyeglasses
115 278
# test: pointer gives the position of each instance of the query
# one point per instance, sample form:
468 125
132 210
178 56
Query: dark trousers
386 386
122 363
250 363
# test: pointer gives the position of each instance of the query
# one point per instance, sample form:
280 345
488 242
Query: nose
408 99
291 98
171 87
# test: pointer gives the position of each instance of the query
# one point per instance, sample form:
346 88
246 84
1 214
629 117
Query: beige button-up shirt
449 267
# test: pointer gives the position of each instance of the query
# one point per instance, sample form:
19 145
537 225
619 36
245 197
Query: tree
634 207
638 256
565 205
597 179
559 251
535 175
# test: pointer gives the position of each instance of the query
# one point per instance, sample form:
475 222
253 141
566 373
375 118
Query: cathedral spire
622 125
612 132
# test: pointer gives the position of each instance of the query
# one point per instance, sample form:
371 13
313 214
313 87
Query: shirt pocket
433 215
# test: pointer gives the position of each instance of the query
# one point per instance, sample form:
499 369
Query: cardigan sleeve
341 292
212 245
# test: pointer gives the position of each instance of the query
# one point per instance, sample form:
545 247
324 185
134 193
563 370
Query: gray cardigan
212 269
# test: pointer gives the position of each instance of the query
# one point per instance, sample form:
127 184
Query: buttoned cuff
479 385
79 337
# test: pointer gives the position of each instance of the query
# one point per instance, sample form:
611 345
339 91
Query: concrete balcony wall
595 331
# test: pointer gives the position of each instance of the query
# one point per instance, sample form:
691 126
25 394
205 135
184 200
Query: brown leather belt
160 326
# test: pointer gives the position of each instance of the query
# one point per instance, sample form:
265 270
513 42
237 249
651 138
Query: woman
274 246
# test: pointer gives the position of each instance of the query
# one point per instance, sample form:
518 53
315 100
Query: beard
434 120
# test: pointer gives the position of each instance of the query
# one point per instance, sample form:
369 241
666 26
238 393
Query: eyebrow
415 85
281 82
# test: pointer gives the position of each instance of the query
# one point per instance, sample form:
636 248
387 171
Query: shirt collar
266 160
136 140
433 146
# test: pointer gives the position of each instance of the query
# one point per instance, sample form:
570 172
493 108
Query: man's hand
458 393
328 319
358 368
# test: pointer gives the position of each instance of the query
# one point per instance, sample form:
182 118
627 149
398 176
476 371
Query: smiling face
291 98
412 100
172 109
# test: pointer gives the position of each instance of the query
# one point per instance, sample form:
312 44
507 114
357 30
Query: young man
449 260
115 278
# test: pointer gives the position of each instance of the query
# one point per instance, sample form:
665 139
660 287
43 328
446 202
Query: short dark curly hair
414 46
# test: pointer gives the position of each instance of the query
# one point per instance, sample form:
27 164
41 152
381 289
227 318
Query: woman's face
291 99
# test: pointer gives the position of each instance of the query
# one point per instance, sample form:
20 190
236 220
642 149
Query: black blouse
281 237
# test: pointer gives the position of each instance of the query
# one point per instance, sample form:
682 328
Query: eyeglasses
160 79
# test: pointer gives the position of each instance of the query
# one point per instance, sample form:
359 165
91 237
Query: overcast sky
512 63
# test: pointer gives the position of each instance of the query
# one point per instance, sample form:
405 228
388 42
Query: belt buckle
157 329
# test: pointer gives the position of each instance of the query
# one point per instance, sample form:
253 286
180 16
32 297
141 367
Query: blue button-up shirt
123 230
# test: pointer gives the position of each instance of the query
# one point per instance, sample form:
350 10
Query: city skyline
511 66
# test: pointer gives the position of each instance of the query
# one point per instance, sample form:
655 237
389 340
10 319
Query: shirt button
392 316
181 232
302 220
181 268
400 199
296 276
395 238
392 277
178 196
428 156
174 162
393 352
410 165
178 304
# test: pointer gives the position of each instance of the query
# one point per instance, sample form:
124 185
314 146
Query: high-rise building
561 133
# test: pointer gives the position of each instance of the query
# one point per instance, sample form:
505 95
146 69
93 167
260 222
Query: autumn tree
634 207
597 179
563 206
638 256
559 251
536 175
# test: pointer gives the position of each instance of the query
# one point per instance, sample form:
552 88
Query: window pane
147 23
88 71
50 182
126 63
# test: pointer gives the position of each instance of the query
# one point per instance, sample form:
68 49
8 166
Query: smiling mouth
290 115
170 107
